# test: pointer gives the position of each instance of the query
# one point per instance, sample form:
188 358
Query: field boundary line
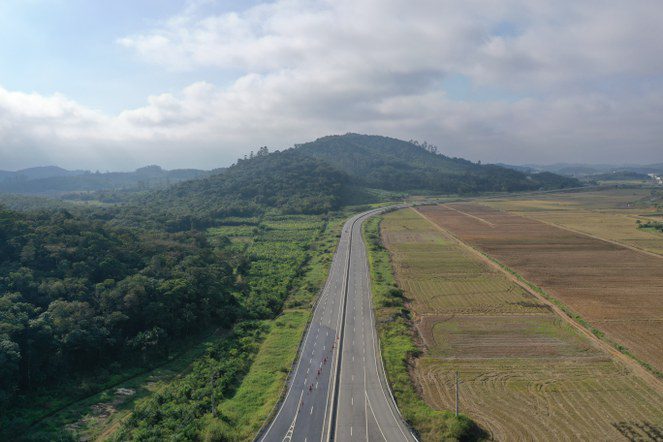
580 232
627 360
470 215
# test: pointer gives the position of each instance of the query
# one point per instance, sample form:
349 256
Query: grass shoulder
397 342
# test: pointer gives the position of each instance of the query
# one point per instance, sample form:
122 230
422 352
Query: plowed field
616 289
525 374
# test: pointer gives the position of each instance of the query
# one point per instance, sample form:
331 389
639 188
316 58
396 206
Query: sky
199 83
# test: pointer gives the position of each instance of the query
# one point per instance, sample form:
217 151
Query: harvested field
440 276
610 215
526 374
609 285
474 336
534 399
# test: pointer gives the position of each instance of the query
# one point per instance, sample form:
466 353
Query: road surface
338 389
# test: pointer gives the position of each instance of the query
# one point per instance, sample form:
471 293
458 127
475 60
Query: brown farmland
526 374
616 289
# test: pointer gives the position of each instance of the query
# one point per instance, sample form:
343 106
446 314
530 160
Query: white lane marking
291 429
375 358
326 424
352 401
311 412
374 417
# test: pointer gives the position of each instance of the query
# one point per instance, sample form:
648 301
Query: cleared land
526 374
616 289
608 214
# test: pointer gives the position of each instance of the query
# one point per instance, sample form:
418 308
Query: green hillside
284 182
324 175
392 164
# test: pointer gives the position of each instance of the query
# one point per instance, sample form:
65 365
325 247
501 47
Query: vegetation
656 226
78 295
398 348
288 259
392 164
77 184
286 182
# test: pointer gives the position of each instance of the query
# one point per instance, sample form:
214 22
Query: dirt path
467 214
638 369
570 229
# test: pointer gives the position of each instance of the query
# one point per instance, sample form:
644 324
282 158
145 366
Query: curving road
338 390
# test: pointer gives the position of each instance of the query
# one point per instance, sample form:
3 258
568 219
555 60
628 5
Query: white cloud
582 81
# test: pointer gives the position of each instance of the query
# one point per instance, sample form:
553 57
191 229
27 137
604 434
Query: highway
338 389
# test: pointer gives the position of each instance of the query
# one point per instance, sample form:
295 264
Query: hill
55 181
34 173
392 164
286 182
324 175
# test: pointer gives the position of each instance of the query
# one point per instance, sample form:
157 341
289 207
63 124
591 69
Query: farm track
580 232
636 367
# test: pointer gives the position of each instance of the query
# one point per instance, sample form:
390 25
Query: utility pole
457 393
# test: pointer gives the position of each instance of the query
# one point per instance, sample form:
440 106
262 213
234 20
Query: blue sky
69 46
198 83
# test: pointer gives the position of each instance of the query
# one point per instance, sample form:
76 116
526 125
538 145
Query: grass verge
397 342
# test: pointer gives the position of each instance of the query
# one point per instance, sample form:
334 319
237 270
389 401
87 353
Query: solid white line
374 417
332 376
398 422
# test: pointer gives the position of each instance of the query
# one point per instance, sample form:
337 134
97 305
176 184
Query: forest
78 294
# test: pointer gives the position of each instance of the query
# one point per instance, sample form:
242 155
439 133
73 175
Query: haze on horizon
199 83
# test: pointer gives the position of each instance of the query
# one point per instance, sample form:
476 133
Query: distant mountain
35 173
392 164
55 181
619 175
589 170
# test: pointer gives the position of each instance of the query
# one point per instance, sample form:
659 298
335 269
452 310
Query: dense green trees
76 294
392 164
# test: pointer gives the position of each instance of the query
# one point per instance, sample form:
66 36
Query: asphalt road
338 390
